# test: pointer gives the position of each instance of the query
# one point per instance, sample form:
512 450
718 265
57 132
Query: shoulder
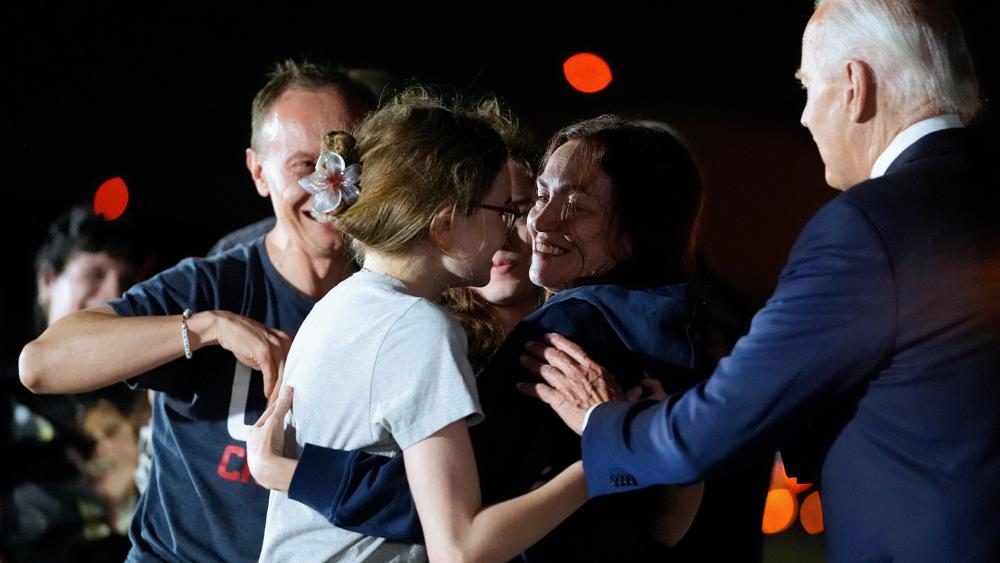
240 258
421 319
234 262
565 311
243 235
612 302
616 297
846 221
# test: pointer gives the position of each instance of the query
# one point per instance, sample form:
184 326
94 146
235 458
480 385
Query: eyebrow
562 187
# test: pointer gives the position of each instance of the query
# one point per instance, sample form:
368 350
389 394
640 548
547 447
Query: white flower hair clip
331 184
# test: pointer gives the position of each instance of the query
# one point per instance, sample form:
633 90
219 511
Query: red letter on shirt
224 464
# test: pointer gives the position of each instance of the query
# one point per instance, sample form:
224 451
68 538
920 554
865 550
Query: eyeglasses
510 215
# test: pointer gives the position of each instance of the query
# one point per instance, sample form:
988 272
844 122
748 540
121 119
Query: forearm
501 531
95 348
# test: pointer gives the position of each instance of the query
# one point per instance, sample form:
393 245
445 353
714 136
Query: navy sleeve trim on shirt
372 496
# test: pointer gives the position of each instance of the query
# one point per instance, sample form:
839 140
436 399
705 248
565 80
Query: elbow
31 367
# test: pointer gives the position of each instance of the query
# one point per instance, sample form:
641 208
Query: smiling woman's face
571 226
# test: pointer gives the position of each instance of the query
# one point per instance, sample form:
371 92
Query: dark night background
159 94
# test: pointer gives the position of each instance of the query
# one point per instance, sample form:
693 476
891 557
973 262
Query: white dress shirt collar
911 135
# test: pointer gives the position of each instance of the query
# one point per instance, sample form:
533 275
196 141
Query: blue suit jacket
876 363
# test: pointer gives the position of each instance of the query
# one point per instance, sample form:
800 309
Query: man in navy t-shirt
245 306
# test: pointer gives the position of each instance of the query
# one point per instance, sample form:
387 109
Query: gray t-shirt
373 369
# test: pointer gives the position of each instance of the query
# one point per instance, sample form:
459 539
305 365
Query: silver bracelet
184 333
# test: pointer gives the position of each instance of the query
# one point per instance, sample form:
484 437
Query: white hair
915 48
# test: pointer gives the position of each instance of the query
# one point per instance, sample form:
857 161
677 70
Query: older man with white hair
880 349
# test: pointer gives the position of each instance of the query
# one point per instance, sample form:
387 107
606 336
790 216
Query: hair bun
342 143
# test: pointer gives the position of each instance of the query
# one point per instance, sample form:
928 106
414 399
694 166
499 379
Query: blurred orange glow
779 511
587 72
779 480
811 513
111 199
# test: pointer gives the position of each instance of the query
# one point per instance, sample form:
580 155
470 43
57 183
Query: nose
546 218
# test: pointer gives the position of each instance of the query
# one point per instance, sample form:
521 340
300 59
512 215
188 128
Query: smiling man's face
288 146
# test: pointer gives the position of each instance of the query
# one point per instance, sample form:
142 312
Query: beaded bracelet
184 333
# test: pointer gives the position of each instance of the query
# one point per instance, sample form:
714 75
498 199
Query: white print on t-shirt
236 425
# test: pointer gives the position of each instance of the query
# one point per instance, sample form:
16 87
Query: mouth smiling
318 217
542 248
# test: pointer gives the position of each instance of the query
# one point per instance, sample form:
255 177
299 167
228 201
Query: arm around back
442 474
826 329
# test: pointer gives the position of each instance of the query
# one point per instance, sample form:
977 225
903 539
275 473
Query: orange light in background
779 511
811 513
111 199
587 72
780 480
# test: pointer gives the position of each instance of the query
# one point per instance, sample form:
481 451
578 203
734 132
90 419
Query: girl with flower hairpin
424 193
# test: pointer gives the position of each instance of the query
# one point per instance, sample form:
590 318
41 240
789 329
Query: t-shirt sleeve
422 379
167 293
185 286
357 491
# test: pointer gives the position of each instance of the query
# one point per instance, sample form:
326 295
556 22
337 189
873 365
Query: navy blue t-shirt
201 503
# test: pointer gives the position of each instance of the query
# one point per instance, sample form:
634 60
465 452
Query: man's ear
860 95
256 168
443 228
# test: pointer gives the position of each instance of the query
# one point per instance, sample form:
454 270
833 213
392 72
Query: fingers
529 389
553 356
262 348
280 342
549 395
532 365
272 396
284 402
552 375
277 408
264 416
567 347
543 392
267 369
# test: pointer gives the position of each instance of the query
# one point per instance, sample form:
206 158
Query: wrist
201 329
278 476
586 417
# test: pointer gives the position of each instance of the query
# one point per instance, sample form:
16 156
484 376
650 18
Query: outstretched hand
573 382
